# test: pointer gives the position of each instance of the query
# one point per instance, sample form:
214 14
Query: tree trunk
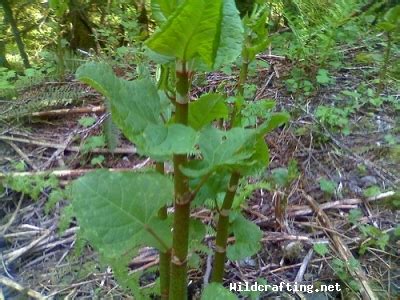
245 6
3 42
142 18
81 35
8 15
3 60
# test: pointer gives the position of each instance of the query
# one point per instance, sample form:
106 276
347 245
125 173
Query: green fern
315 28
40 99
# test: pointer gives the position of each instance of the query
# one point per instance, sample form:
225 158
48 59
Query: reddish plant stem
178 279
223 230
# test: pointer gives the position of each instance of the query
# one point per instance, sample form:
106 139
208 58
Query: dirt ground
35 255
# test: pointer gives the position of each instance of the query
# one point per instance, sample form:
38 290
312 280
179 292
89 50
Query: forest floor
344 196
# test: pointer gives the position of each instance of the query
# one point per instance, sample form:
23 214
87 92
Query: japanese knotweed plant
119 213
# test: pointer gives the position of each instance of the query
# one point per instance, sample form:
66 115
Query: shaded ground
36 256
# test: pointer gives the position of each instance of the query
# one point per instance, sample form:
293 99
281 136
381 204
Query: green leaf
274 121
161 140
321 249
383 241
134 104
354 264
232 148
327 186
97 160
229 44
116 211
87 121
240 149
59 6
55 196
323 76
390 139
197 231
280 176
255 294
207 108
396 231
393 16
162 9
246 190
256 32
386 26
260 157
136 109
66 218
201 28
19 166
162 229
293 169
216 291
247 236
354 216
216 184
370 230
126 279
284 176
93 142
252 111
372 191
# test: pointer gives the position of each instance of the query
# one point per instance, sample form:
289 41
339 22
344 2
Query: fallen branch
23 155
71 173
305 210
68 111
12 256
71 286
131 150
265 86
343 251
16 286
266 56
58 152
60 173
282 236
4 228
303 267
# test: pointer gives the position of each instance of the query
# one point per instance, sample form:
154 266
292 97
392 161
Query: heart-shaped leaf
136 108
116 210
222 149
203 29
247 238
216 291
207 108
134 104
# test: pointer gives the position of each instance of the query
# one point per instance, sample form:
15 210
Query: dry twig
303 267
68 111
23 155
305 210
366 291
130 150
16 286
